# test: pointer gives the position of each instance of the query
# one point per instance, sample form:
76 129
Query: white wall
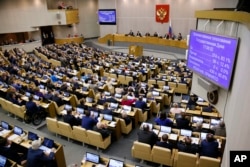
140 14
233 104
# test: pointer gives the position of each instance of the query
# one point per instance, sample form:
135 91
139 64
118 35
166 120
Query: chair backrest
139 146
186 160
65 129
209 162
157 157
143 117
125 128
52 124
80 134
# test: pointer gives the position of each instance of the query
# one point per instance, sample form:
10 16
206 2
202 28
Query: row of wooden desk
24 143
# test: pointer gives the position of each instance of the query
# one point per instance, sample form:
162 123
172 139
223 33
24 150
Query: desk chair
96 139
65 130
80 134
157 156
125 129
141 151
209 162
183 159
52 125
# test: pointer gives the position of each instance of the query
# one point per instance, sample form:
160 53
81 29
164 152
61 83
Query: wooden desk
145 40
104 163
193 112
114 126
59 153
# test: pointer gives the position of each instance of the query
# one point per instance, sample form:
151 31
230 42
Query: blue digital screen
107 16
212 56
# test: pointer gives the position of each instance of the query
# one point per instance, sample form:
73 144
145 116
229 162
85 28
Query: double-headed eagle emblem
161 13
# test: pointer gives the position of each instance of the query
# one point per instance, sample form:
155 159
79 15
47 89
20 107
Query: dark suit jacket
193 148
209 149
71 119
88 122
148 137
10 154
104 132
36 158
164 144
31 107
182 123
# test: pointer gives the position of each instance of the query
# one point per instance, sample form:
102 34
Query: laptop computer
214 122
96 114
117 95
115 163
107 93
18 131
185 132
149 124
89 99
28 94
165 129
67 107
94 158
203 135
196 119
84 88
127 108
3 161
48 142
41 86
107 117
155 93
32 136
35 97
165 87
66 94
114 105
5 125
79 110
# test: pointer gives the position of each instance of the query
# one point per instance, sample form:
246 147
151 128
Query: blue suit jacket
36 158
88 123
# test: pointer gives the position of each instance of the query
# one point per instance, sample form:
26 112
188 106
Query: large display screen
107 16
212 57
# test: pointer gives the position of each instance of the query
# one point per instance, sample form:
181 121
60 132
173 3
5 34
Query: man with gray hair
39 158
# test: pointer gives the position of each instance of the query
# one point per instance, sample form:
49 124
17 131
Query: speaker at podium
136 50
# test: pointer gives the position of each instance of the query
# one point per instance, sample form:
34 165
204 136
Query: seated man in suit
31 107
71 119
106 110
187 146
164 142
57 99
138 34
183 122
88 121
145 135
126 118
7 150
102 129
141 104
209 146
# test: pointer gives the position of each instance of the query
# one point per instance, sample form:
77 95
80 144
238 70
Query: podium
136 50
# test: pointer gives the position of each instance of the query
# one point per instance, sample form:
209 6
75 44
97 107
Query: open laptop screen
108 117
214 121
115 163
32 136
203 135
67 107
149 124
92 158
185 132
166 129
79 110
5 125
127 108
196 119
18 130
48 142
3 161
114 105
